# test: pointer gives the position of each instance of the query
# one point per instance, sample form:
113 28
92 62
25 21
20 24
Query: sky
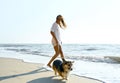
88 21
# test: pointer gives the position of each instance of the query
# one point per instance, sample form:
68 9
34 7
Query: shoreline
17 71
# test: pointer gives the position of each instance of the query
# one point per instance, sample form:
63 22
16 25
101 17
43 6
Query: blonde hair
62 22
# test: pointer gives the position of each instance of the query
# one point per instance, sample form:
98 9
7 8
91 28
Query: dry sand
17 71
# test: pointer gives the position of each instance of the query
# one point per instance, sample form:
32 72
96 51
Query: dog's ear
63 60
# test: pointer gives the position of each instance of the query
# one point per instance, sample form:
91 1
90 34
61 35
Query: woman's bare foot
49 65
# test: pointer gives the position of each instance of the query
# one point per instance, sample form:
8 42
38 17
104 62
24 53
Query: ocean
99 61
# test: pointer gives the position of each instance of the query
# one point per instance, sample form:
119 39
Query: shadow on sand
47 80
50 79
23 74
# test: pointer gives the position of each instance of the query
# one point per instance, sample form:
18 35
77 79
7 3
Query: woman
56 41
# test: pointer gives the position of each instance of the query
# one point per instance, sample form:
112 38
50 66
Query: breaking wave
104 59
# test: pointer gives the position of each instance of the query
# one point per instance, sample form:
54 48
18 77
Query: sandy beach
17 71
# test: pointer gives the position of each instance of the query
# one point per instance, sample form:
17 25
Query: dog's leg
55 73
55 70
65 76
60 73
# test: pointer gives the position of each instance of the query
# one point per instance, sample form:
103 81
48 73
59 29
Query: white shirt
56 29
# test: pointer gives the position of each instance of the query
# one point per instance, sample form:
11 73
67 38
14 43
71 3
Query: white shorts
54 42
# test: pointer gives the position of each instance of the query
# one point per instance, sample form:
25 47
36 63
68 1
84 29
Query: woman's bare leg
56 48
61 52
